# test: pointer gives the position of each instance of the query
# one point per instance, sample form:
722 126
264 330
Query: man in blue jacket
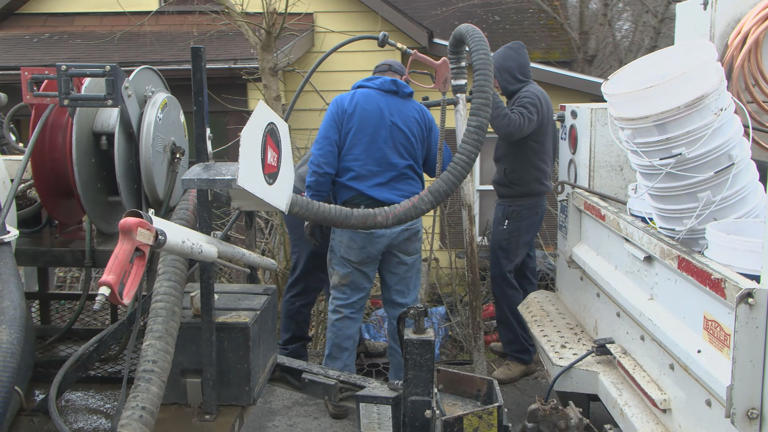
523 156
308 277
373 147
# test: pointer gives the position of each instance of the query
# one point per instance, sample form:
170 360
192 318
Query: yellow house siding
335 21
319 6
561 95
64 6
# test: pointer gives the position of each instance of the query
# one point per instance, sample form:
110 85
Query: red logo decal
719 336
272 158
271 153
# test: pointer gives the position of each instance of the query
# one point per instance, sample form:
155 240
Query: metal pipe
192 244
207 271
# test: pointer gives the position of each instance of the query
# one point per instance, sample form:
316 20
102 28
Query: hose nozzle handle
126 266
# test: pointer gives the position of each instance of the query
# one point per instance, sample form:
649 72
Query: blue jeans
354 256
513 271
308 277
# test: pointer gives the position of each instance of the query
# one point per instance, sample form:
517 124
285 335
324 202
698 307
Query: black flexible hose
85 286
466 35
565 369
143 404
12 144
317 64
13 330
24 161
29 212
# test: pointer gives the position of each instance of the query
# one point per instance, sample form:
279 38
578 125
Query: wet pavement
283 410
89 407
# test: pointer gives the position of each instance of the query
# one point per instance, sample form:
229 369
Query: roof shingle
128 39
502 21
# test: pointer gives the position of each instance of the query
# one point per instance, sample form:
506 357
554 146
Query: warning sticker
375 418
717 335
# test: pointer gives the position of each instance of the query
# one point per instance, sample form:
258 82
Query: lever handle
442 71
128 262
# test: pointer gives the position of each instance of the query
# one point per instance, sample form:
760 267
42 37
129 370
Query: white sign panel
265 169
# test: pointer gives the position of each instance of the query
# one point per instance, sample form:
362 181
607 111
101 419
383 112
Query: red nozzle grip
442 71
129 260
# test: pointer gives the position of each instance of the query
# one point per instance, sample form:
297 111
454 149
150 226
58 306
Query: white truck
690 334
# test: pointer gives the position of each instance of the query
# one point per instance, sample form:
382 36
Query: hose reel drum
125 146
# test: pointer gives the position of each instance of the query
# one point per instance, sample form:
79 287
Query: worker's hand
318 235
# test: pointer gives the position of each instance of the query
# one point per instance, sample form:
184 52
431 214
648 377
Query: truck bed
689 332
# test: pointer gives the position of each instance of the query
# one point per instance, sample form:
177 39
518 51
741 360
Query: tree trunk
267 51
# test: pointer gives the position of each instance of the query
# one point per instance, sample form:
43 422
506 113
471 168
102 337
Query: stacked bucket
673 115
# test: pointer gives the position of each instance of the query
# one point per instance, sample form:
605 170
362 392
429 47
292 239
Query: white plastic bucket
700 140
750 202
682 121
692 238
697 191
637 205
663 80
736 243
688 167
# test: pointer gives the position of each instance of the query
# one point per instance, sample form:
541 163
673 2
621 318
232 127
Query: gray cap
390 66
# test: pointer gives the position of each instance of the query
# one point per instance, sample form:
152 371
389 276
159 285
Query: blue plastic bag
375 328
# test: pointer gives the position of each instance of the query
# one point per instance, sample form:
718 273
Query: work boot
336 410
511 371
498 349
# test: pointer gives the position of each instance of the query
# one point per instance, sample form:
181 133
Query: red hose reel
51 161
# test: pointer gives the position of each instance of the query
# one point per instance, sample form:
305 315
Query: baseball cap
390 66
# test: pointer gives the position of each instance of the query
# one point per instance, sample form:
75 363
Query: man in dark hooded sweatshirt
523 156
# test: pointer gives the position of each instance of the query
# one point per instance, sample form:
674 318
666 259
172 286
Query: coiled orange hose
743 63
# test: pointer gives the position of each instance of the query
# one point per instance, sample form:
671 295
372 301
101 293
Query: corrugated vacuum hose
146 395
465 36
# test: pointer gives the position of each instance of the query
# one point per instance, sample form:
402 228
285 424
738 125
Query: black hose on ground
465 36
143 404
13 332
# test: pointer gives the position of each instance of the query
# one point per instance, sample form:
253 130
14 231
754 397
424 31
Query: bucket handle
627 145
694 220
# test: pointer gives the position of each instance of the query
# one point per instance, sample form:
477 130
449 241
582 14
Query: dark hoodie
527 141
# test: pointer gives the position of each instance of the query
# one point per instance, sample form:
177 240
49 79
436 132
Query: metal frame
209 405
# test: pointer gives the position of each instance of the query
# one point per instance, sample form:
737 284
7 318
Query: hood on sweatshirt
385 84
512 68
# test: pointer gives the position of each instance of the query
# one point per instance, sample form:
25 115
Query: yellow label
717 335
486 420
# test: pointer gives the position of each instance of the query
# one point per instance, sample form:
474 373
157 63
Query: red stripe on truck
594 211
704 277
